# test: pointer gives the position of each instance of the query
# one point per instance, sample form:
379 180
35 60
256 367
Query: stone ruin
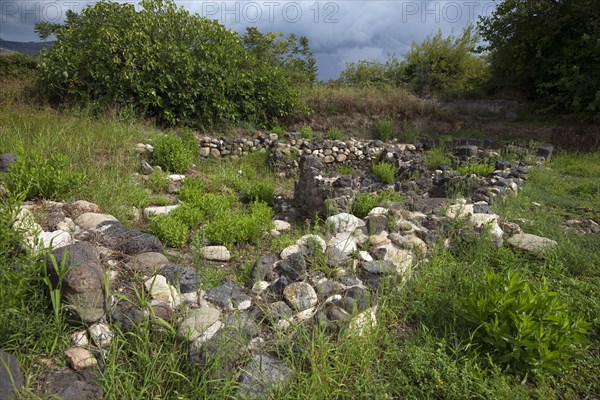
330 279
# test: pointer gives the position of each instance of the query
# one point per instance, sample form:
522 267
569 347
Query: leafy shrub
335 134
164 62
17 64
408 134
170 230
520 326
372 73
189 214
191 190
175 153
365 202
221 217
157 181
385 171
278 131
445 66
385 129
306 132
229 228
477 169
259 191
436 157
345 170
39 177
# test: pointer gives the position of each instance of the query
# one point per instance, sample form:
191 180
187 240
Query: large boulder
533 244
83 283
263 375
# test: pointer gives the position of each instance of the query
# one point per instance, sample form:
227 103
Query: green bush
175 153
365 202
385 171
163 62
17 64
445 67
158 181
278 131
436 157
335 134
520 326
39 177
260 191
221 217
306 132
477 169
229 227
385 129
170 230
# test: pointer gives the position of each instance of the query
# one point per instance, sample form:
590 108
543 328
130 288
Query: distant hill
29 48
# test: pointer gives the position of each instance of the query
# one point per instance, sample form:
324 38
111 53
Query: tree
548 49
445 66
438 66
291 54
163 62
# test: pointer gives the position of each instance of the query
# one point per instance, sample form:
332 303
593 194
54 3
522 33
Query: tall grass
100 148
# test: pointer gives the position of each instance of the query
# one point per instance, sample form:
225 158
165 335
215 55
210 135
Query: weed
480 169
158 181
40 177
278 130
524 327
345 170
365 202
385 171
436 157
306 132
176 153
385 129
408 133
335 134
170 230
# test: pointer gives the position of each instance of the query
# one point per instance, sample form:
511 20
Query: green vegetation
164 62
220 217
437 156
278 130
445 66
385 129
520 326
546 50
176 153
39 177
438 66
335 134
365 202
306 132
480 169
158 181
474 320
385 171
98 148
16 65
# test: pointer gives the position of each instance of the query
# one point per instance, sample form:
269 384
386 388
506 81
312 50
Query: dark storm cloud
339 31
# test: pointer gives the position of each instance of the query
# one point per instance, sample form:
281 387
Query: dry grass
356 110
395 102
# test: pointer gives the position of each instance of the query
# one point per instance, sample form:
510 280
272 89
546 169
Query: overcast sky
339 31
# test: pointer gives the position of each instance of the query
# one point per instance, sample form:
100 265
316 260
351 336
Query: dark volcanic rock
11 378
6 160
141 242
181 276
